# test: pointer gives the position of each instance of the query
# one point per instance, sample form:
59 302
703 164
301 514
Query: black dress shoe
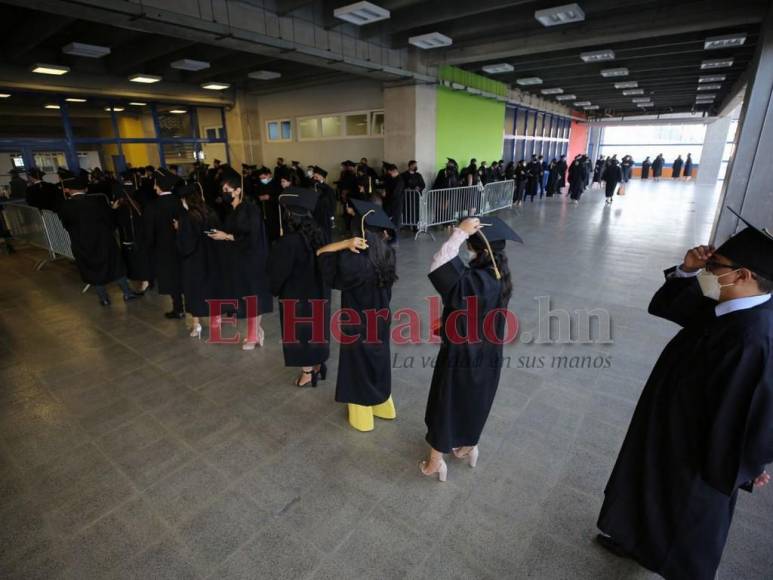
611 545
132 296
174 314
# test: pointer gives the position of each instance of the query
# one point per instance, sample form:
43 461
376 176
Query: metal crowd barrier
497 195
412 207
41 229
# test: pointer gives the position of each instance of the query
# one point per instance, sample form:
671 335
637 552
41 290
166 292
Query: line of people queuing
680 168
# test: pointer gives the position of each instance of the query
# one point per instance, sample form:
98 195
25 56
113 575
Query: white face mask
265 180
310 173
710 285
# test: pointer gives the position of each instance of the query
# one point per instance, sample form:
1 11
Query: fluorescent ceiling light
712 79
554 91
591 107
598 55
86 50
566 97
495 69
645 105
115 109
50 69
189 64
75 100
709 87
582 103
137 104
630 92
528 81
361 13
51 106
5 95
178 111
264 75
558 15
725 41
430 40
719 63
705 98
146 79
642 99
614 72
627 85
215 86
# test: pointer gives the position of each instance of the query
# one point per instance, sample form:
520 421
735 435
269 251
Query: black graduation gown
688 167
576 180
657 166
90 222
246 256
520 183
324 212
533 171
161 242
44 195
613 175
201 272
598 170
701 431
364 367
562 167
466 375
295 275
413 180
645 170
393 199
131 233
552 185
269 208
676 168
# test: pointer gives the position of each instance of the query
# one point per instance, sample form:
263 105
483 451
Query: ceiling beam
130 58
225 68
285 7
27 35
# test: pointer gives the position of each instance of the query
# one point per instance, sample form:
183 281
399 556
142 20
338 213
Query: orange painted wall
578 140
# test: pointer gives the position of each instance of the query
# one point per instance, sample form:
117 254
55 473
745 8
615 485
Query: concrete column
748 186
409 127
713 148
244 131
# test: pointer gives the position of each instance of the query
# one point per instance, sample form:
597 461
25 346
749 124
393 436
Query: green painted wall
468 126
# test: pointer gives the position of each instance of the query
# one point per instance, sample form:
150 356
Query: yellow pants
361 416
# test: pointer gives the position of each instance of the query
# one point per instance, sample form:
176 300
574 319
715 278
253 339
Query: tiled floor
128 450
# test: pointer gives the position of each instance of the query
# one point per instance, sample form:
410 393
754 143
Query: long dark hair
196 206
308 229
483 260
382 256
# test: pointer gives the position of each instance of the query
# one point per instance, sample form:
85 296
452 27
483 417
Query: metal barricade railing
41 229
497 195
411 207
58 238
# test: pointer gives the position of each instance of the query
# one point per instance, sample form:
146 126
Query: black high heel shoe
313 382
322 372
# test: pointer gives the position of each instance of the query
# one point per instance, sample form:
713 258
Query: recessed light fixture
264 75
50 69
146 79
627 85
137 104
558 15
566 97
719 63
554 91
598 55
614 72
642 99
705 97
591 107
52 107
190 64
75 100
630 92
645 105
712 79
495 69
178 111
361 13
430 40
582 103
725 41
529 81
215 86
114 109
86 50
715 87
5 95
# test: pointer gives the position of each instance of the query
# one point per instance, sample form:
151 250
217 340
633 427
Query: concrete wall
410 113
327 153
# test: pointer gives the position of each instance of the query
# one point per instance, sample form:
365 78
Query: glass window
530 122
539 125
181 155
510 116
518 150
356 124
273 131
174 121
26 116
286 130
331 126
377 123
280 130
308 128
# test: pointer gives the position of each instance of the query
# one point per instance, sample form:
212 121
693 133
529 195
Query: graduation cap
299 198
390 166
452 161
76 182
372 215
319 171
264 171
494 229
348 163
247 166
165 179
230 174
751 248
64 173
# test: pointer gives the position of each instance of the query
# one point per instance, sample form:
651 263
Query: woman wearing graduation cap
468 365
363 269
297 281
246 277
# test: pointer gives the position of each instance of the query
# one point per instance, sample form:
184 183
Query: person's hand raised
696 258
470 225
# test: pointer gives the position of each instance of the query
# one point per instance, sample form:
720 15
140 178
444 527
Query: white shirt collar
740 304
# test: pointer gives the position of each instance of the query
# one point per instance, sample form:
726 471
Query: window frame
369 113
278 122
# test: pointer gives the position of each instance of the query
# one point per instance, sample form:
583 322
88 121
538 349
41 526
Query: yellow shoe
385 410
360 417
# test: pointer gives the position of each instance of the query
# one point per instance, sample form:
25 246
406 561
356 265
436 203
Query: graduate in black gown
702 427
676 167
161 239
562 167
533 177
576 180
296 280
363 268
520 183
42 194
267 189
201 271
394 194
325 211
613 177
89 220
657 167
552 184
448 176
645 168
688 167
469 363
246 252
131 233
598 170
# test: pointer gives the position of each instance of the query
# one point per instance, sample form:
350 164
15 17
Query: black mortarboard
496 230
165 179
452 161
319 171
36 173
390 167
298 198
230 174
188 189
751 248
247 166
348 163
64 173
122 187
78 182
372 215
264 170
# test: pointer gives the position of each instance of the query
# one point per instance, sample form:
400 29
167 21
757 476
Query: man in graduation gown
324 213
412 178
448 176
266 190
41 194
89 220
676 168
562 167
703 427
161 239
393 198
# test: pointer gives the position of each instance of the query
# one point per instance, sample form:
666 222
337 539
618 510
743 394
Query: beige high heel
471 455
196 331
442 470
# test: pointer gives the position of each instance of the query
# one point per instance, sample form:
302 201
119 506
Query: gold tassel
362 224
491 253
